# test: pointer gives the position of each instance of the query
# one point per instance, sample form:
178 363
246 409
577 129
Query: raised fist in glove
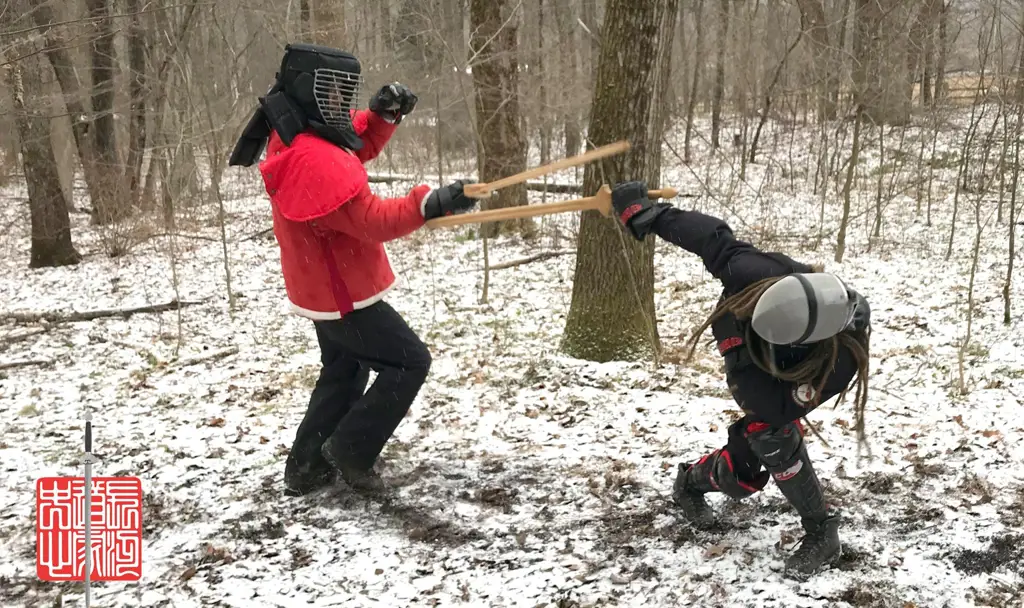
634 209
392 102
447 201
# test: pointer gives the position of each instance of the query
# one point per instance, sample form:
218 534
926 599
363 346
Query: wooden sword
487 189
600 202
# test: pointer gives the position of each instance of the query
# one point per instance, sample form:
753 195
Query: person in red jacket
331 231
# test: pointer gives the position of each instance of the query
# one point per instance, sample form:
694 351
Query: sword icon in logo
88 459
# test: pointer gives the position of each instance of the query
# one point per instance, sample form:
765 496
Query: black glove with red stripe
634 209
447 201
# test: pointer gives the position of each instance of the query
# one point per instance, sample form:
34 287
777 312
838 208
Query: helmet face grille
335 92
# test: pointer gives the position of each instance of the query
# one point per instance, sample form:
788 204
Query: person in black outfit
791 338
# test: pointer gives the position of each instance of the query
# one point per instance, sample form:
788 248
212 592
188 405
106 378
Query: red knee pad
725 479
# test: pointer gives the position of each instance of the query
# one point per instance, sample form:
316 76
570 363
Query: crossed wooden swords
601 202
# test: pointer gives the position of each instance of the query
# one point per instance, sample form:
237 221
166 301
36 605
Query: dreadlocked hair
815 367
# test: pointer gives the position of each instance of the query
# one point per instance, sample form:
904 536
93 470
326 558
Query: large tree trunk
110 206
56 50
137 93
722 42
502 147
612 312
51 225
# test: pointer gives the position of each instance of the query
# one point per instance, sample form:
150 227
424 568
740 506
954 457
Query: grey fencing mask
803 308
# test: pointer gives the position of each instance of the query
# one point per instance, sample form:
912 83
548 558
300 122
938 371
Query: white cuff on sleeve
423 203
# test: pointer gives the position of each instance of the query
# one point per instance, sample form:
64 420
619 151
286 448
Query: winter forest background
140 280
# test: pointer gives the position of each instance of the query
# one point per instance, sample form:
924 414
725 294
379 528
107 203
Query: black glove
634 209
392 102
447 201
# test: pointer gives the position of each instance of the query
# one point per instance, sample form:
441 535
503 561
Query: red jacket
329 226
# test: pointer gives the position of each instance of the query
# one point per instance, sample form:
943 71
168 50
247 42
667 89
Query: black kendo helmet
804 308
324 81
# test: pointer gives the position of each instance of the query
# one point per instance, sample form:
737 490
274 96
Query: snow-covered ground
523 478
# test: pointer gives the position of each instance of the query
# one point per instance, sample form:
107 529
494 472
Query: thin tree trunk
664 70
1001 167
1012 253
719 91
110 206
839 55
928 68
612 312
569 32
851 170
137 89
876 230
698 67
940 66
542 94
51 224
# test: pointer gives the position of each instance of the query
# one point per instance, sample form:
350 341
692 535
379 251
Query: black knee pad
775 446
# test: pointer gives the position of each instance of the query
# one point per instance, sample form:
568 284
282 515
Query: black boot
820 546
784 454
801 487
364 480
301 479
692 483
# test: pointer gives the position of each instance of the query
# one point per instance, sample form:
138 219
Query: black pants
374 338
775 409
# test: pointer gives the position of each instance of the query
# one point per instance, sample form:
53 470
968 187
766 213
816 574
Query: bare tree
137 95
721 44
56 47
812 16
51 225
110 206
612 311
496 84
698 68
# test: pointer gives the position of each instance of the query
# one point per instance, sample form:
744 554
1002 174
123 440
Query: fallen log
92 315
5 365
14 337
537 257
206 357
257 235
